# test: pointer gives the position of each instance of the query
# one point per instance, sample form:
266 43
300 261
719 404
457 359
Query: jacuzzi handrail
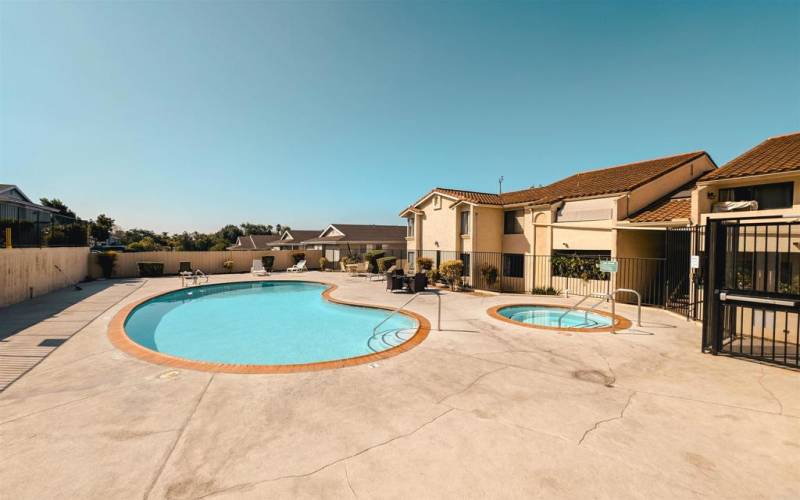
638 302
605 296
395 311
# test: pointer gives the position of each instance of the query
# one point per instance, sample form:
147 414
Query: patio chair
184 267
257 269
297 268
268 261
395 281
418 283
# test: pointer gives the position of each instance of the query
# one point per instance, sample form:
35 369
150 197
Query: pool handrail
397 310
638 303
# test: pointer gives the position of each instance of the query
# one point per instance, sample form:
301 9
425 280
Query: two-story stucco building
614 212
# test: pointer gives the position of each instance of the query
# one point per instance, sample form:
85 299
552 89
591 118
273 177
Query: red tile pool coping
620 323
120 339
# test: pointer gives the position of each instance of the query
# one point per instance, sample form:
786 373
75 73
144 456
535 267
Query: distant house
356 239
25 218
254 242
294 239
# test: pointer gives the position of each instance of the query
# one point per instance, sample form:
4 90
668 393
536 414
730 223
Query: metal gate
754 275
683 281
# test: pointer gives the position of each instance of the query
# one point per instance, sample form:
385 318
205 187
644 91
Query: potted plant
228 265
489 273
323 264
107 261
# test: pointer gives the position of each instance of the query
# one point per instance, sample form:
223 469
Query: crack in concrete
330 464
349 485
178 439
761 383
600 422
471 384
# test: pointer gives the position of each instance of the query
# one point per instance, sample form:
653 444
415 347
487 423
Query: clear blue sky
187 116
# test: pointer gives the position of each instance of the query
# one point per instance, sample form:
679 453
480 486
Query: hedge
150 269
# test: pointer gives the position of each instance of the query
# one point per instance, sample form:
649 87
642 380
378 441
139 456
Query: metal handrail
374 330
638 303
585 297
397 310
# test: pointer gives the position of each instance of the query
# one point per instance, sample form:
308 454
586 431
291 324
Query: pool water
269 323
549 317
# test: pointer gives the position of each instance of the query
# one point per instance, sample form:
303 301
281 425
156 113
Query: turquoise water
268 322
548 316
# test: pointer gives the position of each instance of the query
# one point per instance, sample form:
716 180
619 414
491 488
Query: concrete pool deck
480 409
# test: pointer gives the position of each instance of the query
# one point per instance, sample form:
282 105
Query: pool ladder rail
603 298
376 333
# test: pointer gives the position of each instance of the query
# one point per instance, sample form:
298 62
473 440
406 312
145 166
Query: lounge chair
258 268
297 268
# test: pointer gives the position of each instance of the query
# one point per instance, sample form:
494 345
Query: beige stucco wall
663 185
702 205
208 262
583 236
519 243
488 235
26 272
438 227
640 243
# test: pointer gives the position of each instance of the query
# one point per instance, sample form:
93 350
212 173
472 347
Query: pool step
386 339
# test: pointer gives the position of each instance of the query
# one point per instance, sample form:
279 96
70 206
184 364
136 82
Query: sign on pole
608 266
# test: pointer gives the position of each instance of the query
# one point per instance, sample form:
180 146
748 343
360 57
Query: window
411 261
768 196
513 265
464 222
511 223
410 227
465 259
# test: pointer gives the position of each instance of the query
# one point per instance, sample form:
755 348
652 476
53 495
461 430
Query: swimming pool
262 327
557 318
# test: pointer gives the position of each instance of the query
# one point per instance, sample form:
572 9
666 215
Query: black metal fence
51 230
684 275
754 272
544 274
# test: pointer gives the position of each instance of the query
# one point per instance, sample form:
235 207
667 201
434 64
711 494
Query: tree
249 228
101 228
229 233
281 229
59 205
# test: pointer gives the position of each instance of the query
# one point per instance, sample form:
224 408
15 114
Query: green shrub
434 276
424 263
384 263
372 257
268 261
298 257
489 273
150 269
228 265
540 290
574 266
451 271
107 261
323 263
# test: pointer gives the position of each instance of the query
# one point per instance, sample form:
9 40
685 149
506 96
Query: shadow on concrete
22 315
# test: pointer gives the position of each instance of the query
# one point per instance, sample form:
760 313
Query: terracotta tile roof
609 180
364 233
471 196
675 206
777 154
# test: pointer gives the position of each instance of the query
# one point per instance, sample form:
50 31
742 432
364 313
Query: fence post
715 246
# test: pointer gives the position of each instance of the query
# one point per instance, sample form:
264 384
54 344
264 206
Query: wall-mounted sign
694 262
608 266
